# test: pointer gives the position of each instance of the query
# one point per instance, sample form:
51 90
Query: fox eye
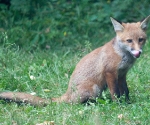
129 40
141 39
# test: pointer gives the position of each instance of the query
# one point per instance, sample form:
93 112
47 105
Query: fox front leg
123 88
112 83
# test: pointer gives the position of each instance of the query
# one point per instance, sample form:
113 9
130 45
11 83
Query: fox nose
136 53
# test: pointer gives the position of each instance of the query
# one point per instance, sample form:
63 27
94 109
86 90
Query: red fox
106 66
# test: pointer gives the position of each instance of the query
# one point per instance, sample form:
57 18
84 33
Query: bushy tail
21 97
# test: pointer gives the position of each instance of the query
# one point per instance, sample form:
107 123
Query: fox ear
117 25
145 22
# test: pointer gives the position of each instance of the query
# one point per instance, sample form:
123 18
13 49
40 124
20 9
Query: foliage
52 23
47 74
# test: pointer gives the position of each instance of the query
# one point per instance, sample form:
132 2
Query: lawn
47 73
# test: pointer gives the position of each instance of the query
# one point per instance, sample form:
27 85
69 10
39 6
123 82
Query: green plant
54 24
47 73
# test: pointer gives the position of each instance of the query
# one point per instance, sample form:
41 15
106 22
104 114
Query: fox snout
136 53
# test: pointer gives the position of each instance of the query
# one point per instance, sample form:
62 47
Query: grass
47 74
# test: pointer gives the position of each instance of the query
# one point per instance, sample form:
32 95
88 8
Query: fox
104 67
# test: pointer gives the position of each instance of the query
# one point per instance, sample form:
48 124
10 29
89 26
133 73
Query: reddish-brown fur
105 66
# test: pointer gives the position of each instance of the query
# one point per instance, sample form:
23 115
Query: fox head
131 36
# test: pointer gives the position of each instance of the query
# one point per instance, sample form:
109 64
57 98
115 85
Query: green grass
51 70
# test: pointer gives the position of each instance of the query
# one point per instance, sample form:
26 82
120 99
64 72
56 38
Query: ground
46 73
